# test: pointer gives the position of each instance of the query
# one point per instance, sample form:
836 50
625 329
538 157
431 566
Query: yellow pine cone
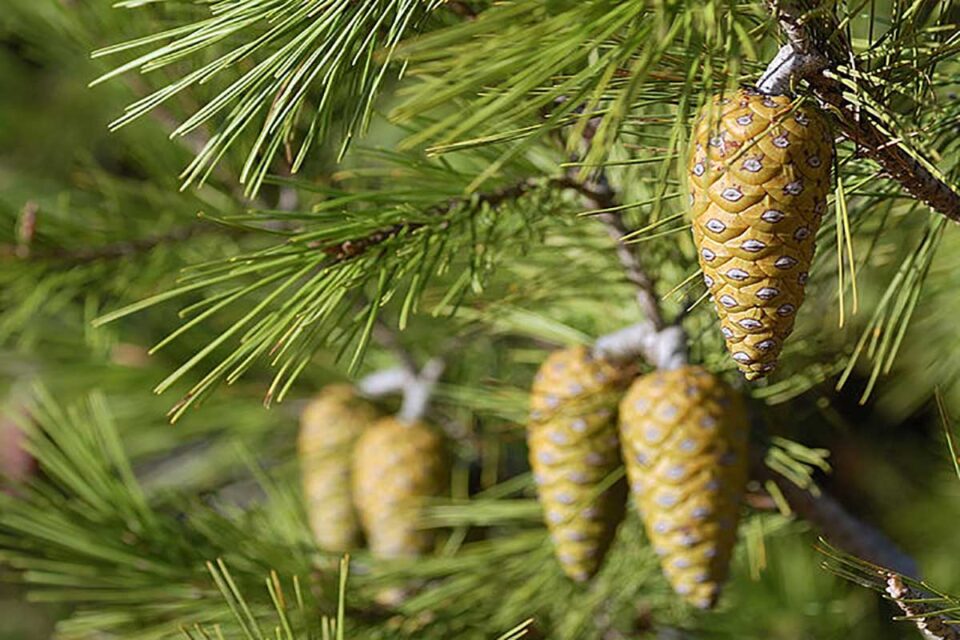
329 427
759 179
572 437
395 467
684 436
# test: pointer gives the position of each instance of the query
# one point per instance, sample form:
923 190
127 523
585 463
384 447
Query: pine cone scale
574 447
396 468
685 446
330 426
759 174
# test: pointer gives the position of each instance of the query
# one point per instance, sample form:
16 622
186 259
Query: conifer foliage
479 319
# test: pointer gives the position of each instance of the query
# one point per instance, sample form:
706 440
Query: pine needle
947 426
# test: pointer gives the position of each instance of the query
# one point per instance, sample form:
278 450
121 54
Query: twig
818 45
599 195
354 247
462 9
388 338
836 524
898 163
785 67
646 294
661 345
419 390
931 625
664 349
385 382
416 387
414 382
111 251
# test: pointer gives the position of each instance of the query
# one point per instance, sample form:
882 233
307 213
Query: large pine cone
396 466
329 427
684 436
572 437
759 179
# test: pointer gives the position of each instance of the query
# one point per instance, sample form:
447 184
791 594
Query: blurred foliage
484 261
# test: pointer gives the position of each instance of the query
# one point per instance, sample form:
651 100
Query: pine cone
329 427
684 438
395 467
573 444
759 178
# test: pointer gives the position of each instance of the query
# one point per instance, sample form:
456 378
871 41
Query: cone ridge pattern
574 449
684 436
759 173
396 468
330 425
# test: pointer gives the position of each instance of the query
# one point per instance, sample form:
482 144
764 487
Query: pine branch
601 196
384 382
347 249
291 66
662 346
414 382
112 251
354 246
835 523
932 625
931 610
811 28
419 390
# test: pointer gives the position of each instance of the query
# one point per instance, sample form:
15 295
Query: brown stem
351 248
837 525
646 295
813 32
462 9
899 164
601 196
931 625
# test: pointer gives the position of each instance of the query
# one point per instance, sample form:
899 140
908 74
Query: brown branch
462 9
896 161
931 625
661 344
836 524
633 270
601 197
354 247
813 33
110 251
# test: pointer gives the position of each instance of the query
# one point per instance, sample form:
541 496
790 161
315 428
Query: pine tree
210 212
